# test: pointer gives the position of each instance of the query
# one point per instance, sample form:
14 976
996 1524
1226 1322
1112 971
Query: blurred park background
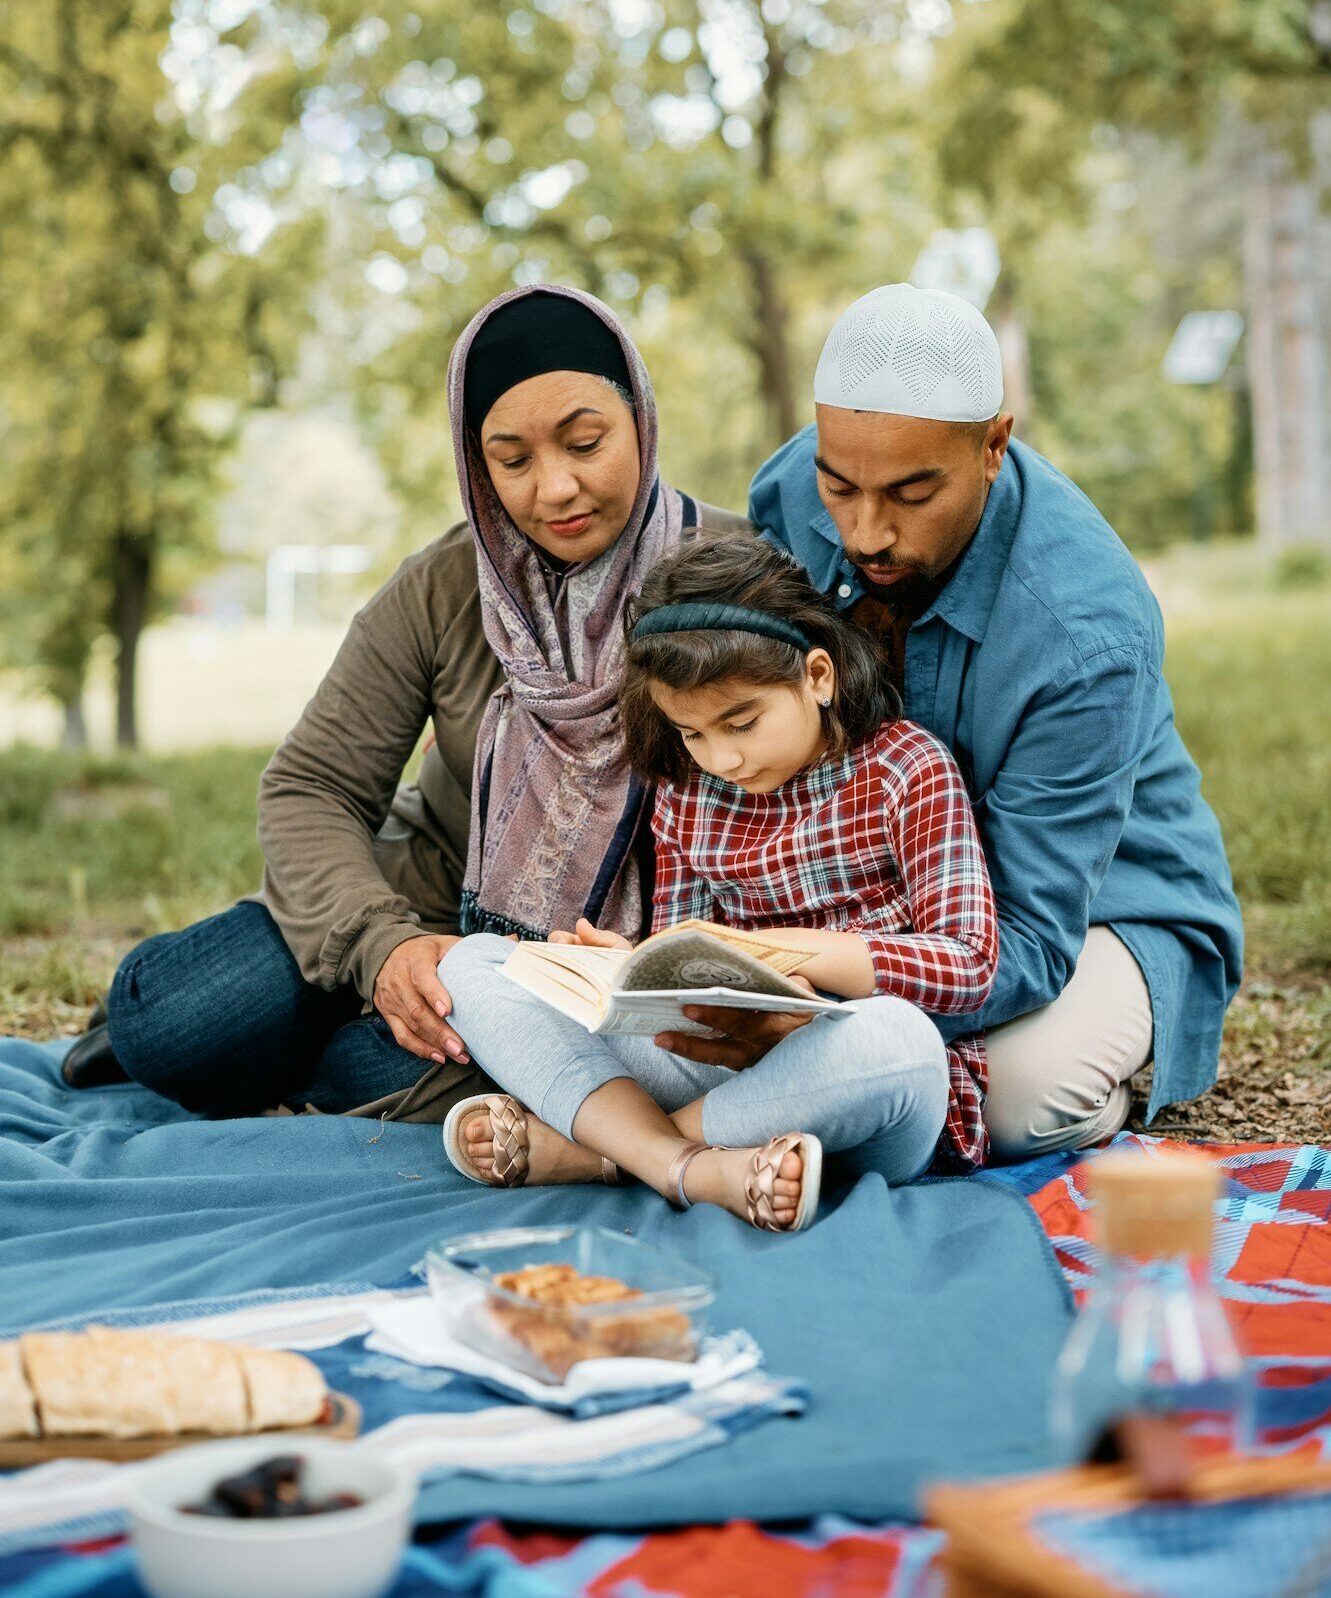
237 240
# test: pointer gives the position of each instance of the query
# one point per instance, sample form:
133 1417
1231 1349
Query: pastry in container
542 1299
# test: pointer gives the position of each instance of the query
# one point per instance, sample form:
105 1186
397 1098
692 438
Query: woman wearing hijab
506 636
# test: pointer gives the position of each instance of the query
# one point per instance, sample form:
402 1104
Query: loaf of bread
106 1383
18 1415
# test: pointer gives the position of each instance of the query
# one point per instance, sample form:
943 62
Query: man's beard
909 595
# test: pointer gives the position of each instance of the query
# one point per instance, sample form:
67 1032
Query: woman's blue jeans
218 1018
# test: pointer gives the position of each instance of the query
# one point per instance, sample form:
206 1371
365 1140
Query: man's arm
1051 823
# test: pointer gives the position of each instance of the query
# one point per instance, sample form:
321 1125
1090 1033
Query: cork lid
1151 1205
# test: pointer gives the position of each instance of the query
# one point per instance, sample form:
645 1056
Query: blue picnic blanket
923 1321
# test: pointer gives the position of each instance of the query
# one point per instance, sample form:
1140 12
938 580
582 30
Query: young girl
792 800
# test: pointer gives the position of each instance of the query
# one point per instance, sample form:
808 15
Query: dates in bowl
326 1519
270 1490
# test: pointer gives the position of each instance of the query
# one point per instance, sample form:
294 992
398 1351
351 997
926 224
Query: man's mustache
886 562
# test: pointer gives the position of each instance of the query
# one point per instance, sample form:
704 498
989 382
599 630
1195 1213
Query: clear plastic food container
627 1299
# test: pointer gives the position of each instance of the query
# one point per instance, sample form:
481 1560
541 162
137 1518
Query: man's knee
1058 1077
1026 1117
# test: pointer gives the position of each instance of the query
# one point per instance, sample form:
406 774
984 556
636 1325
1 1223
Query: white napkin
414 1330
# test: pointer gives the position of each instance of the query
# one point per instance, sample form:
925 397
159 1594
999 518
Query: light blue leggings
873 1082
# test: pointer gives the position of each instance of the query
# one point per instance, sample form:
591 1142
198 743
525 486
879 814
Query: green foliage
1249 691
1108 146
723 173
1054 70
199 200
1302 567
141 843
138 323
1161 462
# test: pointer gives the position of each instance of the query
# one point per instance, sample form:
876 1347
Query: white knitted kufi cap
912 352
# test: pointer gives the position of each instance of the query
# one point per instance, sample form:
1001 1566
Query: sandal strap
512 1141
760 1182
674 1181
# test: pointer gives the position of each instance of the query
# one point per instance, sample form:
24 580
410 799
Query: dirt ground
1275 1072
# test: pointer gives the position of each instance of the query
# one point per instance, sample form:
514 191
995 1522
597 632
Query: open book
643 990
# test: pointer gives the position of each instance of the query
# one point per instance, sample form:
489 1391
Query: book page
684 958
780 958
573 979
642 1013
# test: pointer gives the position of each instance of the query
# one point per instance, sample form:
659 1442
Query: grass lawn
96 853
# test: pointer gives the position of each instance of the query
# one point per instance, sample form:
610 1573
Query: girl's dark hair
748 571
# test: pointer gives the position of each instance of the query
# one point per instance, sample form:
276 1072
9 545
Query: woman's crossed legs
873 1081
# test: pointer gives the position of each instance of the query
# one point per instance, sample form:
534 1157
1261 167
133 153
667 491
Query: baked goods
280 1386
566 1322
106 1383
18 1415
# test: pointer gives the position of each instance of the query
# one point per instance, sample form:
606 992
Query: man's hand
411 998
749 1034
590 937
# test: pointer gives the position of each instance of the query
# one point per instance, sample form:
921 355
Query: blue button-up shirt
1040 665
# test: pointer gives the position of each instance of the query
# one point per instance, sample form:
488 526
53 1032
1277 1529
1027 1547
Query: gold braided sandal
760 1180
510 1124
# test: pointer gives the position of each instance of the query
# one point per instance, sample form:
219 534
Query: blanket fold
922 1321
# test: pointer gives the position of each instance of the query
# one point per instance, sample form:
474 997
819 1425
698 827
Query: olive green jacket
355 864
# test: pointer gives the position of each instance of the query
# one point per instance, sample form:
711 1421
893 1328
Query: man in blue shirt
1025 637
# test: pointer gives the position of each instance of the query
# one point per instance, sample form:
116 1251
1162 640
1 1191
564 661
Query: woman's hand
411 998
749 1034
590 937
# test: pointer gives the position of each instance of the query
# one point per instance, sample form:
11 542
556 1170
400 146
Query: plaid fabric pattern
882 842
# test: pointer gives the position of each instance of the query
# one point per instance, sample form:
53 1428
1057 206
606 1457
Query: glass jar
1152 1337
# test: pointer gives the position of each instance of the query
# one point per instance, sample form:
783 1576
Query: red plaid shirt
880 841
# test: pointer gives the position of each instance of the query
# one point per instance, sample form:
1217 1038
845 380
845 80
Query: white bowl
346 1553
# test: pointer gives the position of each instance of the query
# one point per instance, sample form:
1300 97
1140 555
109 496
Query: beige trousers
1058 1077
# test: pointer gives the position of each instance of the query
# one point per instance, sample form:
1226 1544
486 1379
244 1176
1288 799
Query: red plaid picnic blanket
1273 1251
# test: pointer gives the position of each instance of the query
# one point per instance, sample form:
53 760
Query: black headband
539 333
711 616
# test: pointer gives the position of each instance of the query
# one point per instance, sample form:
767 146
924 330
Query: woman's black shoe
92 1063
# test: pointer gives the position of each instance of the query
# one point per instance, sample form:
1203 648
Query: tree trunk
74 734
1287 282
129 611
1014 347
769 338
770 343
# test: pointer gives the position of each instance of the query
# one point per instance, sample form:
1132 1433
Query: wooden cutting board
18 1452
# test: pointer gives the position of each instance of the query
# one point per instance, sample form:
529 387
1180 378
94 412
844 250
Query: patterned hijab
555 811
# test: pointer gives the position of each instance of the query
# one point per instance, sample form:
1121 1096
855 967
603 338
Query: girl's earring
825 703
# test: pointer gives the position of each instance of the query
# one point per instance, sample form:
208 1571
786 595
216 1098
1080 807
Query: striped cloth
880 841
432 1422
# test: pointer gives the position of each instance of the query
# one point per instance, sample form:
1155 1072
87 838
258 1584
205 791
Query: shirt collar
821 523
968 600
